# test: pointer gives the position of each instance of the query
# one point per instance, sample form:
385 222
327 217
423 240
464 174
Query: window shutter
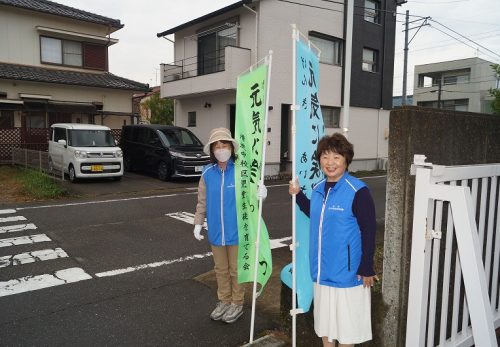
95 57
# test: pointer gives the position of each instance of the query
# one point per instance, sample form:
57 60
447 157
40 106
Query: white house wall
207 118
20 40
368 127
113 100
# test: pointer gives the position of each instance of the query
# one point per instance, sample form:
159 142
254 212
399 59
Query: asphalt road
125 269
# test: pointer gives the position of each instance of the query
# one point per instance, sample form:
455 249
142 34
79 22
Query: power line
465 43
489 50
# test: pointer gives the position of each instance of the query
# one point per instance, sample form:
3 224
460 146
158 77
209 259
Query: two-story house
459 85
54 68
212 50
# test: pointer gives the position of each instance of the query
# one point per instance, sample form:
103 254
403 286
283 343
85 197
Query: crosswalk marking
17 227
12 219
152 265
189 219
31 257
185 217
30 283
14 241
7 211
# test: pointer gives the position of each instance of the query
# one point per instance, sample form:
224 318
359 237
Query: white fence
454 294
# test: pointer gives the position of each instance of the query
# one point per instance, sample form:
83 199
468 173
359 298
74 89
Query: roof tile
40 74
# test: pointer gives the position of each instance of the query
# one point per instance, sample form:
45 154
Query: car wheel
72 174
127 164
163 171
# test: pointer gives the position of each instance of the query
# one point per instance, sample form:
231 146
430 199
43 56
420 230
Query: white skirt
343 314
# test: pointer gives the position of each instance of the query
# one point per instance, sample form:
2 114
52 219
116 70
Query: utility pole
407 43
439 91
405 66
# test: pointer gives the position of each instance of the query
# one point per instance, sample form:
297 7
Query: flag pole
261 181
293 312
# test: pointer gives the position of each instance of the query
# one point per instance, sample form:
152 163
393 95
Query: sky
139 52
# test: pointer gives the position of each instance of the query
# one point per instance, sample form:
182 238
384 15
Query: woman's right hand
197 232
293 187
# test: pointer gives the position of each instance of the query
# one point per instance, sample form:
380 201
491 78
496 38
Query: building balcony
215 71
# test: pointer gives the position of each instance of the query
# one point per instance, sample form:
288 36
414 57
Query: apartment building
459 85
212 50
54 67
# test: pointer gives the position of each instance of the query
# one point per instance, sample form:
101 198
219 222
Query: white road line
32 257
152 265
30 283
14 241
185 217
17 227
12 219
278 243
99 202
7 211
189 219
120 200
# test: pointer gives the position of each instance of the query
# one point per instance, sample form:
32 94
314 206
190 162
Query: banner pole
294 177
261 181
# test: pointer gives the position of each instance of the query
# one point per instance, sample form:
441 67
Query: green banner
250 128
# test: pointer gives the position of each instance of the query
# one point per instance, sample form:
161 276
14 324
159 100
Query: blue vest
335 239
221 204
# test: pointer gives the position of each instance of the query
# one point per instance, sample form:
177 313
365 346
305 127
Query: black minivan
169 151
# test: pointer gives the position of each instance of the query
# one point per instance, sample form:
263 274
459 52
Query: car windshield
178 137
91 138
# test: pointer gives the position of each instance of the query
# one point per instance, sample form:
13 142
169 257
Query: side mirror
62 142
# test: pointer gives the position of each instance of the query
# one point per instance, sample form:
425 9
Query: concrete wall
445 138
482 78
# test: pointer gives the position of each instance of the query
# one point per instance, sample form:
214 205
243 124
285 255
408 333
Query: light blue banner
309 130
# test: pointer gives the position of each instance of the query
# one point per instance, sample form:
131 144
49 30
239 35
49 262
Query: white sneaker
233 313
219 310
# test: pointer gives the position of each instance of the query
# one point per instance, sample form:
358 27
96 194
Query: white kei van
84 151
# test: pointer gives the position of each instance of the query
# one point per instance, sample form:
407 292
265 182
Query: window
191 119
211 47
64 52
6 119
456 77
369 60
331 48
331 116
372 11
59 134
451 105
35 120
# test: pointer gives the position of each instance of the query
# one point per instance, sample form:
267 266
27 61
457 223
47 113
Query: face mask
222 155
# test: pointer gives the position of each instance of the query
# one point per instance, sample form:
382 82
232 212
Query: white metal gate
454 294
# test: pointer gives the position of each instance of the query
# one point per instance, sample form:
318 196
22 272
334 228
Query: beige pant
226 272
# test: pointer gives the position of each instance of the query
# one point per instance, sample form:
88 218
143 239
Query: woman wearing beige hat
217 201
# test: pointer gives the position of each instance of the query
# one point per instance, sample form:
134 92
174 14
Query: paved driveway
131 184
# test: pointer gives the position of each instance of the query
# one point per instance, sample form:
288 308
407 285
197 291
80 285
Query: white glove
197 232
261 191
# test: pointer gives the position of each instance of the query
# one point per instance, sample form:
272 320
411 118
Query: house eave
205 17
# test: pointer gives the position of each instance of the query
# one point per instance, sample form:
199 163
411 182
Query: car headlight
81 154
175 154
119 154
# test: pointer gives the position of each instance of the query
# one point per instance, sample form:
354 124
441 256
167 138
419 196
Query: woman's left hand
368 281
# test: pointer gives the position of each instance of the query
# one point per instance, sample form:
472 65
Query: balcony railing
210 62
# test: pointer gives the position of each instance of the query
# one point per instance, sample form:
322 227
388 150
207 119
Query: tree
495 92
161 110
